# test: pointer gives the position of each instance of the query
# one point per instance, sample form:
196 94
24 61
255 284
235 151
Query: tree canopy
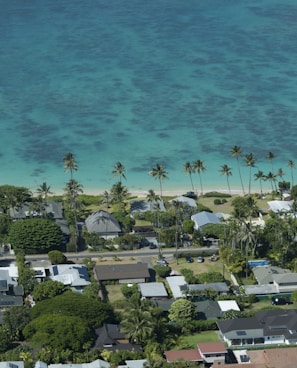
94 312
35 235
182 311
47 289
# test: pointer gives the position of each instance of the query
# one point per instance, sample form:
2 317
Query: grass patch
114 293
203 336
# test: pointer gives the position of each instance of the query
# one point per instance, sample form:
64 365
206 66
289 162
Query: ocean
146 82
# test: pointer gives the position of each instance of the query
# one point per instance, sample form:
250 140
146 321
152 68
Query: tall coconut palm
199 166
119 170
226 171
73 189
177 208
70 163
272 178
119 194
44 190
280 173
159 172
138 325
236 152
291 165
189 169
155 202
250 161
261 177
270 156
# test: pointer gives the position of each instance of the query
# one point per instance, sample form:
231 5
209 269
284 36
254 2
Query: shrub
217 201
162 271
217 195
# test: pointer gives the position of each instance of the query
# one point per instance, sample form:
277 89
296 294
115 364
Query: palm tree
119 170
159 172
227 171
177 207
73 189
260 176
189 169
44 190
138 325
70 163
119 193
198 165
155 201
236 152
270 156
280 173
250 162
272 178
106 198
291 165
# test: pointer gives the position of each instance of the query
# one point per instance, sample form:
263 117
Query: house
146 232
53 210
204 218
278 206
177 286
191 355
285 283
111 338
141 206
208 309
219 287
99 363
103 224
138 363
13 364
123 273
185 200
152 290
73 275
267 327
212 352
263 358
265 274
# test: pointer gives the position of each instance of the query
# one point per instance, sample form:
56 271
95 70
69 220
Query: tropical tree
280 173
47 289
177 208
199 167
226 171
291 165
270 156
70 163
236 152
250 161
73 189
182 312
159 172
119 194
119 170
189 169
44 190
272 178
260 176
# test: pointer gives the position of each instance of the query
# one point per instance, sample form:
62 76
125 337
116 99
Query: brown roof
121 272
187 355
280 358
211 347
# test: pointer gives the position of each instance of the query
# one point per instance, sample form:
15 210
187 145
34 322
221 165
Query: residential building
103 224
154 290
185 200
123 273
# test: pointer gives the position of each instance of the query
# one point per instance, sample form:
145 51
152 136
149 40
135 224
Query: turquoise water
145 82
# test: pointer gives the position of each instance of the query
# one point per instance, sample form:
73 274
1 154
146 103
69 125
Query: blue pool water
145 82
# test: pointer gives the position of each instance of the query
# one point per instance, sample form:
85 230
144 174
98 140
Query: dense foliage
47 289
93 311
35 235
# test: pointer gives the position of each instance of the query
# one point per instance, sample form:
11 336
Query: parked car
200 259
280 301
189 259
152 246
162 262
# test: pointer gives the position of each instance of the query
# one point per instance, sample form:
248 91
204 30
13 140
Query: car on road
200 259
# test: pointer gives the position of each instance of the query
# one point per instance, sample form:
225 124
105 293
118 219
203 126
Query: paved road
144 252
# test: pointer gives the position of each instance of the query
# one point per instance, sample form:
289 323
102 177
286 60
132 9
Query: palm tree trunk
239 171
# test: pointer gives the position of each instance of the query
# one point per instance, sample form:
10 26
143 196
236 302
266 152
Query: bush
201 325
217 201
162 271
217 195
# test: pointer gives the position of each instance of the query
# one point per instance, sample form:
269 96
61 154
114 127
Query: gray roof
264 274
145 205
140 363
208 309
260 289
102 222
176 283
239 324
52 208
152 289
70 274
95 364
220 287
10 301
204 218
287 278
280 206
121 271
189 201
12 364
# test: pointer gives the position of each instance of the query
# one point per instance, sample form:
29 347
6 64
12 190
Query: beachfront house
204 218
103 224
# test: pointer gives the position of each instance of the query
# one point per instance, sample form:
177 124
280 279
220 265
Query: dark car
189 259
280 301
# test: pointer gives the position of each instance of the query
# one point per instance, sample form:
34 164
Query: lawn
203 336
114 293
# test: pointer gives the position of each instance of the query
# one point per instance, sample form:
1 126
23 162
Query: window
241 333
